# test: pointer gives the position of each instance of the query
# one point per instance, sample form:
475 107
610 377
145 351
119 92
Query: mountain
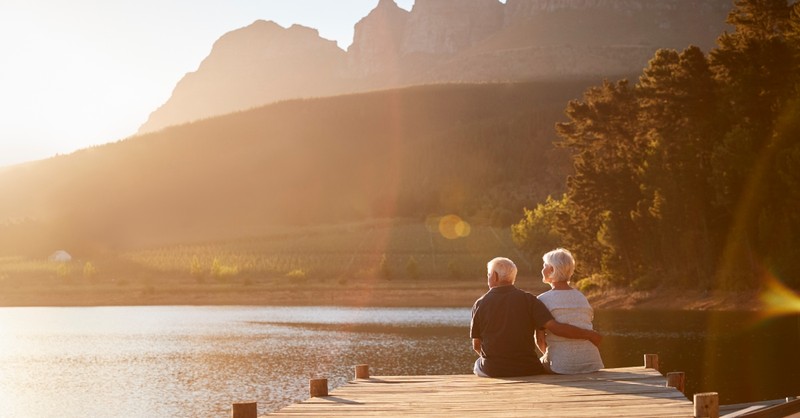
446 27
375 55
482 151
249 67
440 41
542 39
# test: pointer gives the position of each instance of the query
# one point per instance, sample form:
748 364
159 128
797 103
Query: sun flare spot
778 299
453 227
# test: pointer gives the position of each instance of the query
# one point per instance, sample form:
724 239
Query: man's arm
476 345
570 331
541 342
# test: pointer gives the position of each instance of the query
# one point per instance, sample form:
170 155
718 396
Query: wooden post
362 371
318 387
676 380
244 410
706 405
651 361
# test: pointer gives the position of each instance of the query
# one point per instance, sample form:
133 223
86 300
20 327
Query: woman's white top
565 355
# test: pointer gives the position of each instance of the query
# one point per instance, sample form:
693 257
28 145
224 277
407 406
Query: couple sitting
506 319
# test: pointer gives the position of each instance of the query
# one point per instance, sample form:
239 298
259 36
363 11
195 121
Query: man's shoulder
480 300
528 295
484 296
503 293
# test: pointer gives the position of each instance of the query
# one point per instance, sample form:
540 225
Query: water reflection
736 354
197 361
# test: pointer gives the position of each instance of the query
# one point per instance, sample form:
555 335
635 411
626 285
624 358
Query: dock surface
620 392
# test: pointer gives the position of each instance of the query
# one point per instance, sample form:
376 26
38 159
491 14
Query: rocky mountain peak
376 42
260 63
267 38
449 26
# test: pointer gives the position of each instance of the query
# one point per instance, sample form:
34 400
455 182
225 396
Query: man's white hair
505 268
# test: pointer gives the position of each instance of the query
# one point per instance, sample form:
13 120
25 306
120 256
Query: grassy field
342 264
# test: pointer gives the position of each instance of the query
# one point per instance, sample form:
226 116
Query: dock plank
620 392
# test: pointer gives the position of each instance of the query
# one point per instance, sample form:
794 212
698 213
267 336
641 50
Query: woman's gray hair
505 268
563 264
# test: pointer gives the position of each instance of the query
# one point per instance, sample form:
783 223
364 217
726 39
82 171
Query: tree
607 155
89 271
196 269
757 65
694 173
537 232
412 267
677 96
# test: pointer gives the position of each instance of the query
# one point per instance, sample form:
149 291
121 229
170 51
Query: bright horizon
89 72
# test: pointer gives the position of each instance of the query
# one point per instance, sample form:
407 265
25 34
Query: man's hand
476 345
596 338
570 331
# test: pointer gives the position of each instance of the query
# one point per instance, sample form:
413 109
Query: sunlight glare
453 227
778 299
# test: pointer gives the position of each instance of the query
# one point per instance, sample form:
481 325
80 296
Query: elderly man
504 321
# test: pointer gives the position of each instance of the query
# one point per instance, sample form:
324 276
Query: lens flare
778 299
453 227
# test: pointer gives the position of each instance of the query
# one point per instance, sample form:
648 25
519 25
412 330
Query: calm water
197 361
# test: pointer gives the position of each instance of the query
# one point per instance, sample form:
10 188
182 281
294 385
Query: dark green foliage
606 185
690 177
536 233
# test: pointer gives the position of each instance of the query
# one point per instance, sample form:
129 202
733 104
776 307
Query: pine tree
678 100
602 133
757 65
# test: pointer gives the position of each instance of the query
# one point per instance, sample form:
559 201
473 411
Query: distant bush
196 269
64 270
412 268
591 284
219 270
296 274
89 271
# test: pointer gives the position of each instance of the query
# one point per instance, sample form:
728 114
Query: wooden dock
620 392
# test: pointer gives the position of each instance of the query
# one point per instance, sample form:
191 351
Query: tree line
691 175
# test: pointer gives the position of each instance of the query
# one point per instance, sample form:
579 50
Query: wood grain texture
621 392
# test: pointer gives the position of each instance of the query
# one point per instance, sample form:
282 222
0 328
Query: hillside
376 262
479 151
371 263
439 41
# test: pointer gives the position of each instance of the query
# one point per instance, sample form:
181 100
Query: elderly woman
568 305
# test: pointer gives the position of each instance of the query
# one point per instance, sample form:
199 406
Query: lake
194 361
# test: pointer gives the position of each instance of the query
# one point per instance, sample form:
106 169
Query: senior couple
506 319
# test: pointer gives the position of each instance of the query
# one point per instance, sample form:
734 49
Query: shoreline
412 296
674 299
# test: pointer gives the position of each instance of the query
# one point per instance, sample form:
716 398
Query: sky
77 73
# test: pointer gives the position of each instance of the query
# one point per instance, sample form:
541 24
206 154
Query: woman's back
564 355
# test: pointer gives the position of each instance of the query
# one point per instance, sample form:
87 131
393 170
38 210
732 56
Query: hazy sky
76 73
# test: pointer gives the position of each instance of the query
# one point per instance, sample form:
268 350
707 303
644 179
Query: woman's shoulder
570 297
